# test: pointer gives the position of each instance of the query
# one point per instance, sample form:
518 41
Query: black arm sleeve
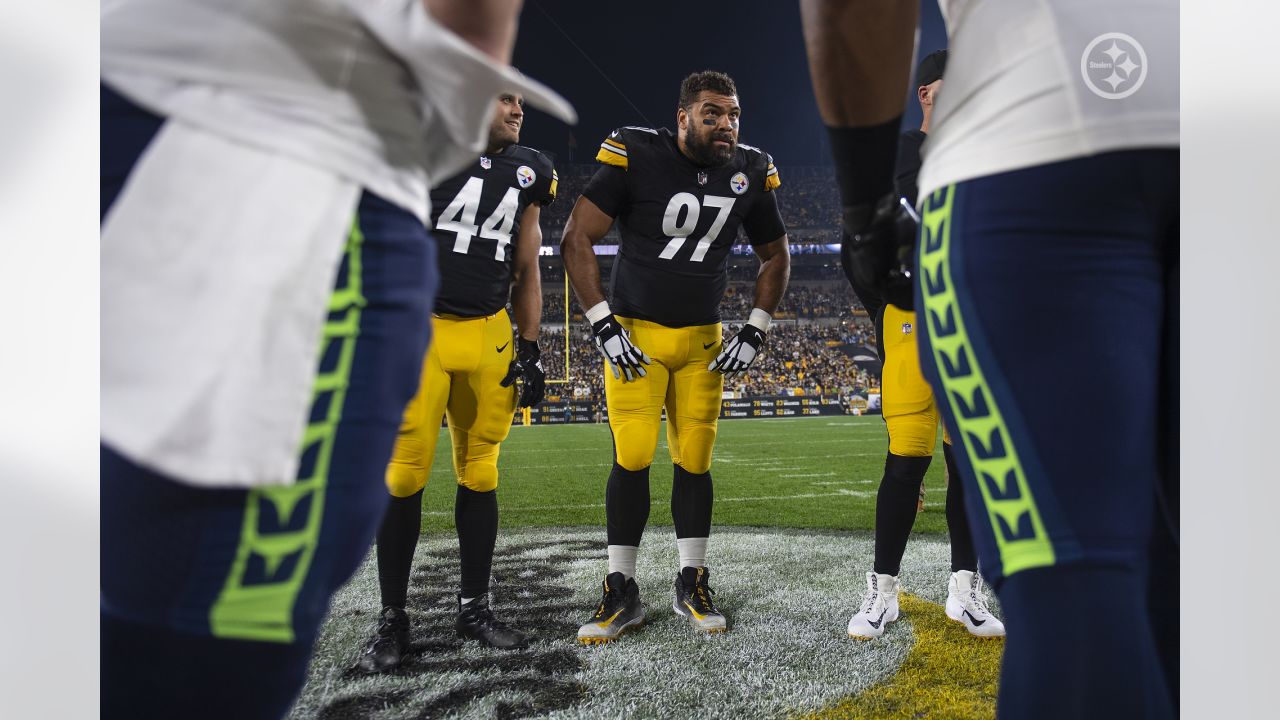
763 222
907 168
608 189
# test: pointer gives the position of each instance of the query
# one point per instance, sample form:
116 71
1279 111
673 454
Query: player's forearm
489 25
581 266
859 57
771 281
526 300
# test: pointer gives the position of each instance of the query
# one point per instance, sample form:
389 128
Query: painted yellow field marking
948 674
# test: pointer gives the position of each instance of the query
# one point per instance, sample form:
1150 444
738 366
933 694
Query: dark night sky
622 63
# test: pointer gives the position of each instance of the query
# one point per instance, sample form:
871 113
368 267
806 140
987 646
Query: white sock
693 552
622 558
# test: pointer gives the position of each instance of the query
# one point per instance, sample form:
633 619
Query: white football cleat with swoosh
967 604
879 607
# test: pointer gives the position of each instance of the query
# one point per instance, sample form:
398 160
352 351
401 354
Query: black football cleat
390 642
476 621
620 610
693 600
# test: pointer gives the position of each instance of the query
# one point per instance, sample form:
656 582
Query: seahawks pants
211 598
1049 303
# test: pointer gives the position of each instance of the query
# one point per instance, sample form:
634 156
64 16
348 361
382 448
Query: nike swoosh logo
876 623
696 615
976 622
609 622
707 346
504 346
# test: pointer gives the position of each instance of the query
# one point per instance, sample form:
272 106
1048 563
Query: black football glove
741 350
527 368
877 249
614 343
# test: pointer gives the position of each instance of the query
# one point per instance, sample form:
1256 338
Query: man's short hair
707 80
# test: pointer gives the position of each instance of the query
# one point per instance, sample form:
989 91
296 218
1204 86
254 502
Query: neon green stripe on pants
258 597
1010 506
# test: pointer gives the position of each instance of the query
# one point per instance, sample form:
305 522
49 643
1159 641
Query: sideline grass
818 472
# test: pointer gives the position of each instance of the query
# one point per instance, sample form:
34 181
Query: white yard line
589 506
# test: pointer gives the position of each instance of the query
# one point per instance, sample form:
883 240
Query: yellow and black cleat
693 600
620 611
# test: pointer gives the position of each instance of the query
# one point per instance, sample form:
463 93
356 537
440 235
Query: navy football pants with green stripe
1049 301
211 599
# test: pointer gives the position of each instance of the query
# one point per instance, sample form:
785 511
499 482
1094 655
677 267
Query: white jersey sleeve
280 112
1030 82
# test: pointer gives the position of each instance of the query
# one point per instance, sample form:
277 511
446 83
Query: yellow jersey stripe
610 156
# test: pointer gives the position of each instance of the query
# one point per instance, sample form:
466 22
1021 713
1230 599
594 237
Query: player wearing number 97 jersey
679 201
487 237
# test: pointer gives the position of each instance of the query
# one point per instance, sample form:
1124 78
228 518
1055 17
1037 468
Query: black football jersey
678 222
475 217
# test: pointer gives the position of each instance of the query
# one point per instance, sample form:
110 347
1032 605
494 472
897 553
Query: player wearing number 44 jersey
679 200
469 376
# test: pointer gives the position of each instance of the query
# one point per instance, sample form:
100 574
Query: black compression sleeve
607 189
763 223
864 164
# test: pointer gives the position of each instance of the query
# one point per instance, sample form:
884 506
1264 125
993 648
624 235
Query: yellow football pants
679 379
461 379
906 398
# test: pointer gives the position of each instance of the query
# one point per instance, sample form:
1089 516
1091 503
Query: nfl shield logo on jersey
906 328
525 176
738 183
486 163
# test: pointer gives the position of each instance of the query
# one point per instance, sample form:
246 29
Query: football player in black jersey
679 200
469 376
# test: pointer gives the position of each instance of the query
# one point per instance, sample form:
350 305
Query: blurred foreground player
265 271
911 418
679 200
469 375
1050 188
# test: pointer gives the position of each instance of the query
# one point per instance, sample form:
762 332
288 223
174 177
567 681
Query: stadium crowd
799 359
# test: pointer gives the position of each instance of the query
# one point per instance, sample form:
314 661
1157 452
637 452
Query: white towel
217 262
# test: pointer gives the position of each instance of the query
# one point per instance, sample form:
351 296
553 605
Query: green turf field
816 472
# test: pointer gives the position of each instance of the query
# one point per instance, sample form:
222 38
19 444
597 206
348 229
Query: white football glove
739 352
614 343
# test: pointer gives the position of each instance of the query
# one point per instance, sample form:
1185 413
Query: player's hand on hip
878 250
614 342
739 352
527 368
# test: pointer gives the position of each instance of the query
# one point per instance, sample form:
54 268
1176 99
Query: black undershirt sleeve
763 223
608 189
